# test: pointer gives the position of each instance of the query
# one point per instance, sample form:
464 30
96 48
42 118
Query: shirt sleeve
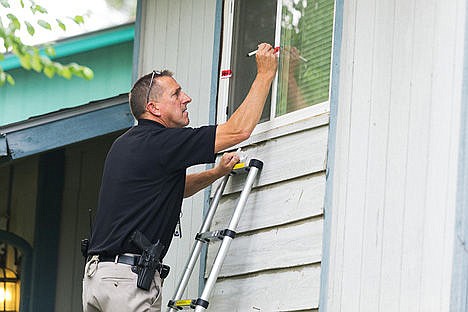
185 147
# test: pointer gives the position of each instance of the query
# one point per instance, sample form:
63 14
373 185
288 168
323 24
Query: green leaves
5 4
33 60
37 8
36 64
6 77
14 22
79 19
61 24
30 57
88 74
44 24
49 51
25 61
30 28
50 71
10 79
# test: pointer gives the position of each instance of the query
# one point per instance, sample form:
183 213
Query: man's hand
227 162
267 61
198 181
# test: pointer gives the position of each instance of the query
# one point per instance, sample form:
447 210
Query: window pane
305 57
254 23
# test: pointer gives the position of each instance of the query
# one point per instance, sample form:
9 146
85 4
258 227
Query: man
144 181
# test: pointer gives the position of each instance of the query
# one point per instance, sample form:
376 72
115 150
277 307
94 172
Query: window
303 30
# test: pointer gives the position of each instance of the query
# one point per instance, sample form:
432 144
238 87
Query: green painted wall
35 94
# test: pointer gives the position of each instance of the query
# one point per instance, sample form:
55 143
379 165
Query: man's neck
154 118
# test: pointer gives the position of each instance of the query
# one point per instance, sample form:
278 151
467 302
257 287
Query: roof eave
64 127
80 44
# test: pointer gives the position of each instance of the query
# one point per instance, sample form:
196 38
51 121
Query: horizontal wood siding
275 204
282 290
179 35
274 262
394 183
286 157
275 248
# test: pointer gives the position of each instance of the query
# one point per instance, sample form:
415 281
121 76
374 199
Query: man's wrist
266 76
216 173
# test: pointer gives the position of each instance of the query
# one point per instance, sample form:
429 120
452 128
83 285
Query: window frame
274 122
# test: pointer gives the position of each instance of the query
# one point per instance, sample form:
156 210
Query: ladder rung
240 168
185 304
207 237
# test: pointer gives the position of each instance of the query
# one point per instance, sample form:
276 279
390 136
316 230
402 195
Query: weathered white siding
179 35
395 159
274 262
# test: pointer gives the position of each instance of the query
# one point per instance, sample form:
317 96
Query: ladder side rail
243 198
197 247
214 205
223 249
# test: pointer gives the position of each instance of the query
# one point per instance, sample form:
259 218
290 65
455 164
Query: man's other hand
227 162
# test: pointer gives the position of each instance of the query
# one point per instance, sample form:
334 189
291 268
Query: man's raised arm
240 125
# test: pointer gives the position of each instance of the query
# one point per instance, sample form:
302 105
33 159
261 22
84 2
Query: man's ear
153 108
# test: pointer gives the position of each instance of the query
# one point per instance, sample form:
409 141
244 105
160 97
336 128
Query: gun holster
149 261
163 270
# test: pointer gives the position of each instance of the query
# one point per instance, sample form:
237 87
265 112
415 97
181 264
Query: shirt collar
142 122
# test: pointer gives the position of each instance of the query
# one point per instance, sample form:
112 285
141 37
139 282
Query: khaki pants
112 287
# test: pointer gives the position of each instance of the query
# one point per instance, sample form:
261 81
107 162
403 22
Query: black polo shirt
143 184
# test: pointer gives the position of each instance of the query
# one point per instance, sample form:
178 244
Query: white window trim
298 120
293 117
274 86
223 86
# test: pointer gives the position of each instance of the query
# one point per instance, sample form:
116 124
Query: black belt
133 261
130 260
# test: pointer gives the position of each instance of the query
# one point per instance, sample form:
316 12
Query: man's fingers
267 60
263 48
228 156
229 160
234 160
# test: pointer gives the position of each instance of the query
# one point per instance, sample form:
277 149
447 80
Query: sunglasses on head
155 73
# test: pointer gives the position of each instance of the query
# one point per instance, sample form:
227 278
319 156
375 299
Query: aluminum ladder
204 237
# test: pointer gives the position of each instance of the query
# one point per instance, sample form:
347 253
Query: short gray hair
141 89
